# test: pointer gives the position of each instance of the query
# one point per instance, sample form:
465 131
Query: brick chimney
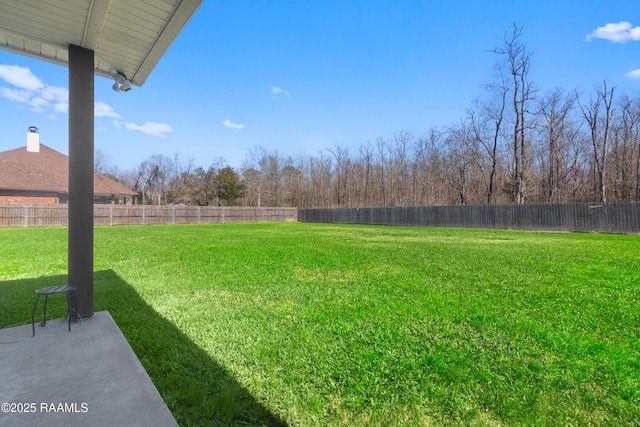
33 140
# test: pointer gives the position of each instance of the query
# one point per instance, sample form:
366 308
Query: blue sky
302 76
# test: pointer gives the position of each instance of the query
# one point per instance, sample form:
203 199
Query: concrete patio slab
89 376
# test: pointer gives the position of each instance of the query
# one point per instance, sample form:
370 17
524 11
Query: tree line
514 144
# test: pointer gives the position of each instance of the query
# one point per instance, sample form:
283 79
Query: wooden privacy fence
39 215
603 217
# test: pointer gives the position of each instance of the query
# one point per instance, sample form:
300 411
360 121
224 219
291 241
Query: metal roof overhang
126 36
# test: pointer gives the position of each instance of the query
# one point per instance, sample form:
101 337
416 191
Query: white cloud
633 75
102 109
55 94
228 123
150 128
621 32
15 95
62 107
58 97
30 92
38 103
279 91
21 77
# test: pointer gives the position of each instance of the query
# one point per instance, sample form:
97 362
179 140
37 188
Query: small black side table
70 290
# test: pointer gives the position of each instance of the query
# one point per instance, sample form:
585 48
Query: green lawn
331 325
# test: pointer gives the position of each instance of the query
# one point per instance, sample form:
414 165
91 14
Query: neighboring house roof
47 170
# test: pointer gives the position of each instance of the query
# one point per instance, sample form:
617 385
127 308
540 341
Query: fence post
174 215
142 214
198 214
26 215
110 216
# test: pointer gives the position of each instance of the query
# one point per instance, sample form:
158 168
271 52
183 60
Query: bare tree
340 167
459 157
486 124
319 172
400 167
99 161
366 160
292 184
254 175
558 132
518 61
599 129
252 178
623 179
153 177
381 169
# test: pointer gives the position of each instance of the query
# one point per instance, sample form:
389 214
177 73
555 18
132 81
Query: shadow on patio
196 389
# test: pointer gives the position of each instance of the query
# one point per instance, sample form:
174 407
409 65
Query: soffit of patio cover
126 36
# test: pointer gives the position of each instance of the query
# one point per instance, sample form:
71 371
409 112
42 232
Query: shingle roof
47 170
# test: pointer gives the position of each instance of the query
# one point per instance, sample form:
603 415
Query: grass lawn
331 325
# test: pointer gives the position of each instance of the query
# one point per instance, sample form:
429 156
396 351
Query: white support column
81 145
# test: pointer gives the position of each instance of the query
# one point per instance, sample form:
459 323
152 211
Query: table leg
33 315
69 309
44 319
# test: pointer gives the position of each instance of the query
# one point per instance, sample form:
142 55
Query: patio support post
81 145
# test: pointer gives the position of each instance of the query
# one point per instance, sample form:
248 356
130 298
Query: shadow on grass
197 389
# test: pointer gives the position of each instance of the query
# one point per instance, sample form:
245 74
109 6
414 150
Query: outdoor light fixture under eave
121 84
